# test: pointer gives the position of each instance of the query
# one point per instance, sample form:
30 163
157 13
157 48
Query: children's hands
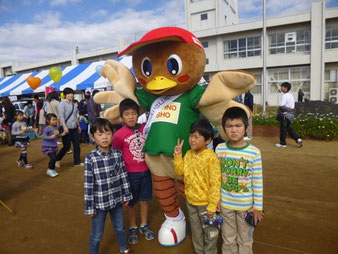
125 204
178 147
258 215
218 207
92 215
210 214
53 136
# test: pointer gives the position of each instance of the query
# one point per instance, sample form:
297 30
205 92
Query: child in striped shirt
242 183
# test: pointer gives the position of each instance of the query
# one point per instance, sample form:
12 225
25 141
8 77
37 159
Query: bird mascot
168 63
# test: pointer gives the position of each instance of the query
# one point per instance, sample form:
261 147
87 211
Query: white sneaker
69 151
59 143
280 145
79 165
51 173
300 142
246 138
58 164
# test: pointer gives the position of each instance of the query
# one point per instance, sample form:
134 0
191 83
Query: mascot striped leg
173 230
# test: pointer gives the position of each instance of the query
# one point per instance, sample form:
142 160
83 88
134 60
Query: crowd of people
117 175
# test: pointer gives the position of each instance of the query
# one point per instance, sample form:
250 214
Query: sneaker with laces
280 145
51 173
133 237
79 165
147 232
300 142
20 164
29 166
57 164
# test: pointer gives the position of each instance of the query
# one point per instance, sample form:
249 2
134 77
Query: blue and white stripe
77 77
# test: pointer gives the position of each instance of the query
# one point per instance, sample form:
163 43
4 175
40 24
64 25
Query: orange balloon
33 82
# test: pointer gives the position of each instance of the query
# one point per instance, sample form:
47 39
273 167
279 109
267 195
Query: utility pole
264 50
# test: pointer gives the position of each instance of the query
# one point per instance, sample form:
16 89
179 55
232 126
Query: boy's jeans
116 217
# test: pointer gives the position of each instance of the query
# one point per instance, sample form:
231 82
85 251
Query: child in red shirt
130 140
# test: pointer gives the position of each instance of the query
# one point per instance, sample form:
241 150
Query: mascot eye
174 64
146 67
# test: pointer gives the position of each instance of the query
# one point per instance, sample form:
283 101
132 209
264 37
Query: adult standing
38 107
29 113
249 102
300 95
68 113
93 110
286 116
52 105
9 116
83 104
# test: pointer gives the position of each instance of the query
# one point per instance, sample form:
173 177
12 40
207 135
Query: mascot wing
124 85
218 96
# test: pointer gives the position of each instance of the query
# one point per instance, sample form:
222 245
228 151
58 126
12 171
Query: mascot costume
168 63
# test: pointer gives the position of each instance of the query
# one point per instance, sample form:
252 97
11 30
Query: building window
207 61
243 47
258 88
292 42
205 44
331 38
204 16
299 78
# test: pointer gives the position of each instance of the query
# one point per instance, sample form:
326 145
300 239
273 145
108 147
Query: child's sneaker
147 232
29 166
20 164
51 173
127 251
300 142
57 164
280 145
133 237
81 164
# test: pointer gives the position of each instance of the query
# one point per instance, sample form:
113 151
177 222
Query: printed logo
169 113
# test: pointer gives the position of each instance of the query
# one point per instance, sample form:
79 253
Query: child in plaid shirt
106 186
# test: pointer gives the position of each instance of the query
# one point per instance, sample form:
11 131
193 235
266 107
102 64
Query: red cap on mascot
162 34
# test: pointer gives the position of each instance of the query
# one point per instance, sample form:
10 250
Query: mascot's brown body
168 63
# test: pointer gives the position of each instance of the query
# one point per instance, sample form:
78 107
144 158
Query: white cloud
62 2
50 37
99 14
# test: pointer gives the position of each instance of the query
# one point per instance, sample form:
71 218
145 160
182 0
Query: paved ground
300 203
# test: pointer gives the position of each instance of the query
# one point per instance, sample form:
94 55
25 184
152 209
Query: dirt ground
300 203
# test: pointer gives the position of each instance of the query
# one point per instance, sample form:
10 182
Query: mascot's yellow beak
160 84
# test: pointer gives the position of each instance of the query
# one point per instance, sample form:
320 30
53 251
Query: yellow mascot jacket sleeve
202 177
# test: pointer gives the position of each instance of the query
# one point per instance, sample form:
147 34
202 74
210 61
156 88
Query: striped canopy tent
77 77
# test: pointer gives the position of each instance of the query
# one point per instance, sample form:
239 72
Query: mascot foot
172 231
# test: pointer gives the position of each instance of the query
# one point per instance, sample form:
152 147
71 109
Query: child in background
106 186
84 128
49 142
19 130
202 177
129 139
242 183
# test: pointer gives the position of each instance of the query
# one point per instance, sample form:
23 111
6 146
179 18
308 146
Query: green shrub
322 127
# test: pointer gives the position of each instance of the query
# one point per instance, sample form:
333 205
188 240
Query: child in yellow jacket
202 177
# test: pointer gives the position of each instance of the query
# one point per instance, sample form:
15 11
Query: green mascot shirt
172 122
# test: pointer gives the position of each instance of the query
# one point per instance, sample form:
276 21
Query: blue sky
37 30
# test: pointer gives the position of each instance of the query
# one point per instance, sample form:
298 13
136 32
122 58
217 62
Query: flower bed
316 126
